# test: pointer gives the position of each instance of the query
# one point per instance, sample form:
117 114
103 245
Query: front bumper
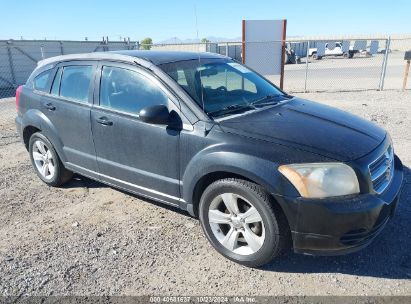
335 226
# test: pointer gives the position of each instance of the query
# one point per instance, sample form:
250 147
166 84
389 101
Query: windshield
222 86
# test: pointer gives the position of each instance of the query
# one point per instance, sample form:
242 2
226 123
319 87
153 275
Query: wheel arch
211 177
207 180
36 121
213 168
28 131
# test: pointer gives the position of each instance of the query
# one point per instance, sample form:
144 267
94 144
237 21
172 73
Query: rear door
132 154
68 107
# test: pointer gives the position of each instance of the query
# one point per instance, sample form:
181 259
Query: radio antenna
199 61
195 15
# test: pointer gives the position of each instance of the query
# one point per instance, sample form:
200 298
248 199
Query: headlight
318 180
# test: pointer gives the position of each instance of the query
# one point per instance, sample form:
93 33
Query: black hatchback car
262 170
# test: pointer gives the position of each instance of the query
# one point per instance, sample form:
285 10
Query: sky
162 19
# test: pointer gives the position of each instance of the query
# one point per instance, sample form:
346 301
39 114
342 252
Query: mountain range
176 40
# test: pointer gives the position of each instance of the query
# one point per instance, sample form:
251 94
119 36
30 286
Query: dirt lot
90 239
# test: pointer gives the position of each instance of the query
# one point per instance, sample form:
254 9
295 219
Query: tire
287 59
346 55
292 59
43 157
255 239
314 56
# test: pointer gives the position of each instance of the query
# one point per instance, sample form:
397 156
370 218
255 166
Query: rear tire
252 239
287 58
314 56
46 162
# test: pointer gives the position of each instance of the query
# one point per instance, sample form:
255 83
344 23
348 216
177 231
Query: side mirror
157 114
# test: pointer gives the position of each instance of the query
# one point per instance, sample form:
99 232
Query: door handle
49 106
104 121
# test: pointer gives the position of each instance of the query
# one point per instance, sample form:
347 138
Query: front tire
46 162
242 222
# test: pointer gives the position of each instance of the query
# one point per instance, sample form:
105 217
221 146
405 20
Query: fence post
384 63
61 48
306 66
10 57
42 52
226 49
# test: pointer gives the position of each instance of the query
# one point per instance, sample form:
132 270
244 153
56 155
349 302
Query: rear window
75 82
41 81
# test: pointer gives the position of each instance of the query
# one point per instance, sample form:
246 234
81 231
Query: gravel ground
90 239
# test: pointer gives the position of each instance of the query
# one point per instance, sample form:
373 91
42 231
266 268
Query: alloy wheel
43 159
236 224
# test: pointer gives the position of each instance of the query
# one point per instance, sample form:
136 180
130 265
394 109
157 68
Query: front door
132 154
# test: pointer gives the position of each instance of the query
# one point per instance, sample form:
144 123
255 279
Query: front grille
381 170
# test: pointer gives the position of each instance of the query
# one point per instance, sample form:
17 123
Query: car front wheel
242 222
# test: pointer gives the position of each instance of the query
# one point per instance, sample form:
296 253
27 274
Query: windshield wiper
267 100
230 109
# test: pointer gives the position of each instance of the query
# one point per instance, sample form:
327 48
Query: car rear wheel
242 222
46 162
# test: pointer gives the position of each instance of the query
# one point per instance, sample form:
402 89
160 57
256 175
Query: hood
309 126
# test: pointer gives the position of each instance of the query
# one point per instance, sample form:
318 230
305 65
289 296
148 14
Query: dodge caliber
263 171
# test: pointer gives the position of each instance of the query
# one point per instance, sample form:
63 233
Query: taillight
18 91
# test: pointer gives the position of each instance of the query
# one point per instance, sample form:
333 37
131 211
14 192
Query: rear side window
128 91
55 89
41 81
75 82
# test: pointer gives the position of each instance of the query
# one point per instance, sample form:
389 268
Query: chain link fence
320 65
18 58
338 65
365 64
311 65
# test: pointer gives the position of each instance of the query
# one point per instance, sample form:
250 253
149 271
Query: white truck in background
332 49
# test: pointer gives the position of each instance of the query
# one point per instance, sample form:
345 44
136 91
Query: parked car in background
261 169
332 49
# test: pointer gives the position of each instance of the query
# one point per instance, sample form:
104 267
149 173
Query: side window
128 91
41 81
75 82
55 89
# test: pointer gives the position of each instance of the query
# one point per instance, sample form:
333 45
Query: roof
145 58
160 57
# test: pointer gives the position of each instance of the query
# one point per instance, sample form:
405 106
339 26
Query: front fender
258 170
